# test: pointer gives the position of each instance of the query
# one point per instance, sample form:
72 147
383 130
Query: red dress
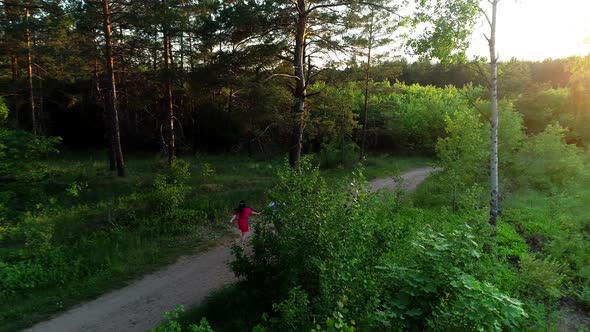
243 219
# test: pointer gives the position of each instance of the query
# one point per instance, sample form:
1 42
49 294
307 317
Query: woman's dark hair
241 207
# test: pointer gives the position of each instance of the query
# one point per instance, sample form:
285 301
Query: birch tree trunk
300 86
367 77
169 100
495 190
111 100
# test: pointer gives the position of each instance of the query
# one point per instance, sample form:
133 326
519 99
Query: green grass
82 193
27 309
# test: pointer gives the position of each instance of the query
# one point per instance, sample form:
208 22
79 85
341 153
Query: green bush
341 259
332 155
3 111
293 314
418 114
171 323
541 277
546 160
462 157
511 246
24 179
432 289
170 188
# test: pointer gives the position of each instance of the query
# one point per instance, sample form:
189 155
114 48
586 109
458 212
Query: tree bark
30 71
190 52
15 76
181 67
14 67
40 113
96 89
495 192
155 50
366 106
111 100
169 100
300 86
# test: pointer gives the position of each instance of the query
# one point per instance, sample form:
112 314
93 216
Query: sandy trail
410 180
141 305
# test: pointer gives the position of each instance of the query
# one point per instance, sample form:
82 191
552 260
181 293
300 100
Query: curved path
140 306
409 180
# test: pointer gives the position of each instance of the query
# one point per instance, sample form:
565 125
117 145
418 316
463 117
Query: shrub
432 288
511 246
172 324
170 187
546 160
293 314
319 263
332 154
3 111
541 277
22 175
462 157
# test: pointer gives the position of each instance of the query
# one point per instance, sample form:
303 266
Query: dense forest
227 78
130 129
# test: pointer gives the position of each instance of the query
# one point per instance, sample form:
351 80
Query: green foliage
463 144
541 107
3 111
445 27
207 170
332 155
332 118
24 179
172 324
546 160
418 114
293 313
433 289
511 246
170 187
347 260
541 277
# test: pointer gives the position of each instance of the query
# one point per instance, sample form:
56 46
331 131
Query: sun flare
539 29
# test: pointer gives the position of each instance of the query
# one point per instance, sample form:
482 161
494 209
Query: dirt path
410 180
140 306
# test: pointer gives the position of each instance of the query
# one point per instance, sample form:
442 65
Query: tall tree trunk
40 114
169 100
190 52
367 77
181 67
15 76
111 101
14 67
155 50
299 93
30 71
96 90
495 193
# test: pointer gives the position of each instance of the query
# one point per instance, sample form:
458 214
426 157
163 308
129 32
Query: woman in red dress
242 213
